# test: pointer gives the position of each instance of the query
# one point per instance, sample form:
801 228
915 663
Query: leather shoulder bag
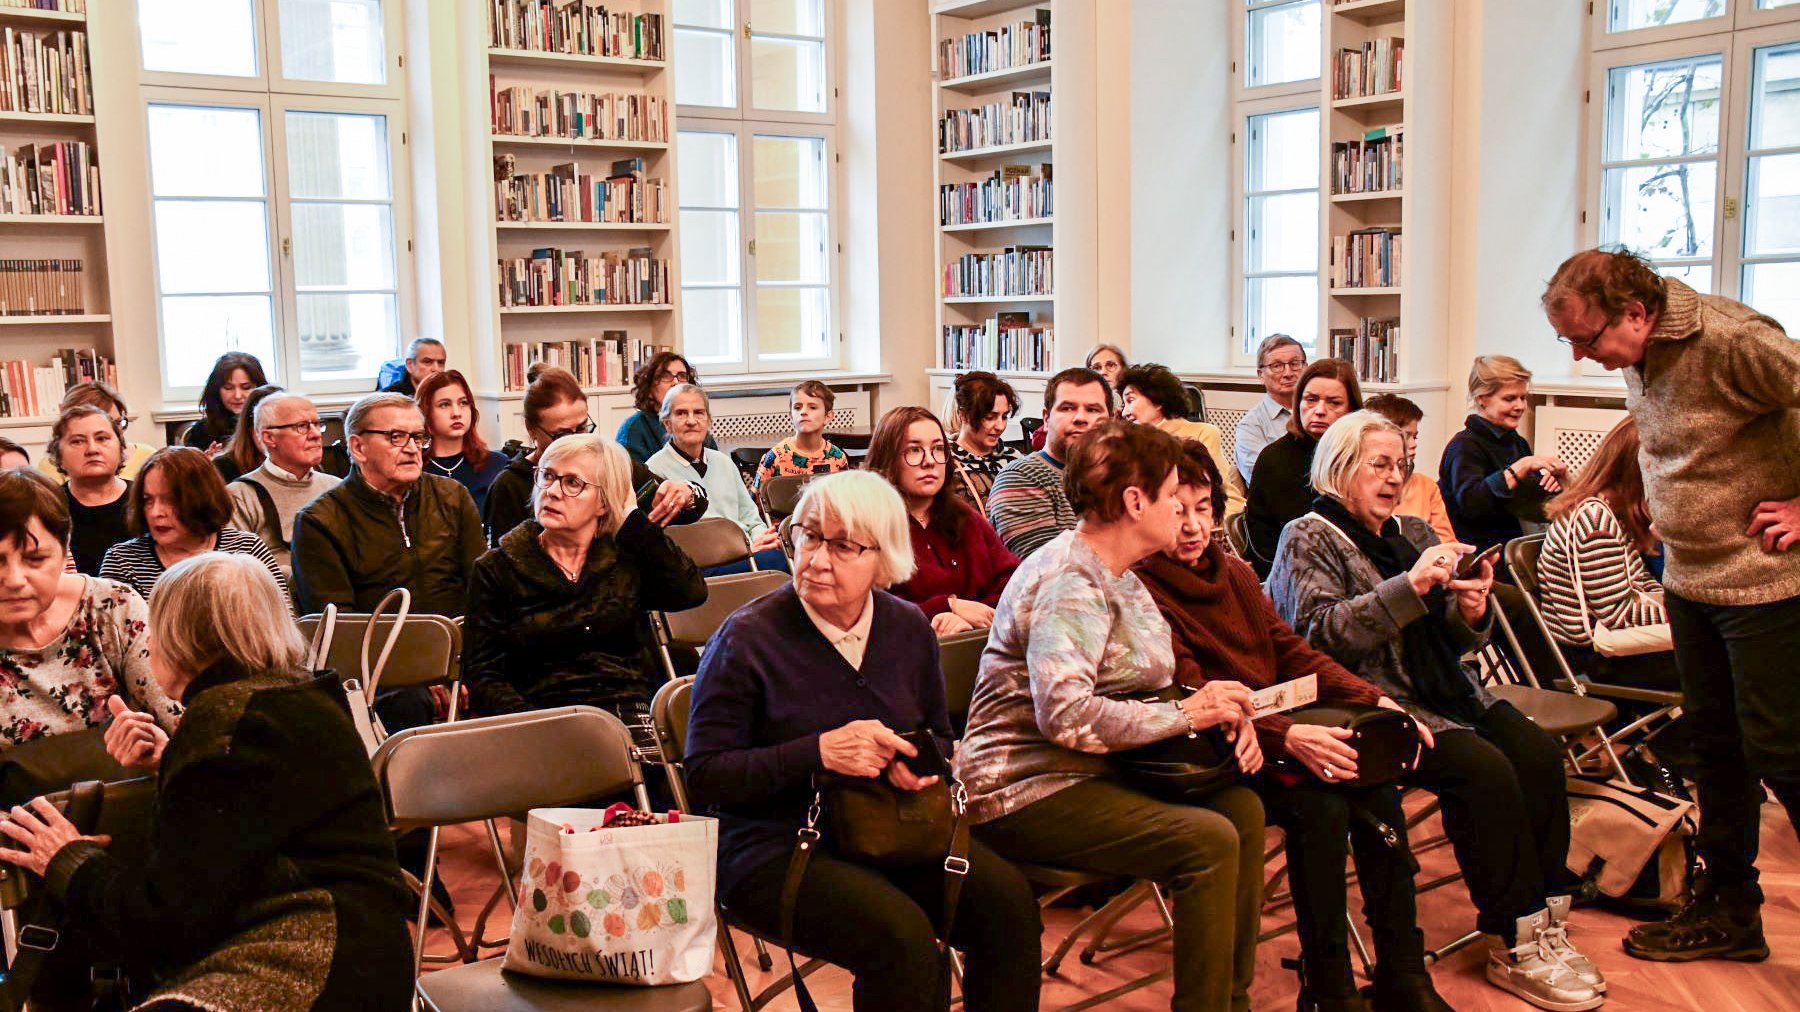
1185 769
1387 742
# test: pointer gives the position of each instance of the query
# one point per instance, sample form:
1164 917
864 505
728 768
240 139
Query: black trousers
1743 718
881 927
1321 826
1506 811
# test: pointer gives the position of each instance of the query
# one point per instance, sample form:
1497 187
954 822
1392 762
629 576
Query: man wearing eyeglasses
1279 361
265 500
1715 389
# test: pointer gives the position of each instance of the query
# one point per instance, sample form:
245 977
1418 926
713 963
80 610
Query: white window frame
746 123
273 96
1240 54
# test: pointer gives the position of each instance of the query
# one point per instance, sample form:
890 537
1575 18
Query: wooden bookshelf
50 19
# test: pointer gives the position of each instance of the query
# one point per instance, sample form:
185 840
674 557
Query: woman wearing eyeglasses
556 610
962 565
643 433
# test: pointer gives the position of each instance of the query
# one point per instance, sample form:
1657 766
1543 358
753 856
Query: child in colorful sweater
807 451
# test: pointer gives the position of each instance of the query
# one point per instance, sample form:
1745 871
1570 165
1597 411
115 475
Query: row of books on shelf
1010 193
567 194
1372 346
1023 117
557 277
1366 258
610 360
41 288
1015 270
56 178
1003 48
1374 68
45 72
1007 341
64 6
1370 165
29 390
579 115
578 28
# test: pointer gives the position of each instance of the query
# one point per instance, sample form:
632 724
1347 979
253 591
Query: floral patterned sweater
1067 636
62 687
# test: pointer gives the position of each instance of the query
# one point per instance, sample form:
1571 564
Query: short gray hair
265 408
871 512
412 347
612 474
218 607
668 404
1274 342
368 404
1340 450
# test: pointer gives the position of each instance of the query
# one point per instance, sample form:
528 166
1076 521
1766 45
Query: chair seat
485 987
1558 713
1046 877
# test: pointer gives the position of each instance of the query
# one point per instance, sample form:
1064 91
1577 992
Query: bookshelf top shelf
1367 292
1039 71
982 226
33 14
634 307
27 422
584 226
1367 195
996 150
578 142
51 219
499 54
11 116
1367 11
42 321
1381 101
982 8
976 300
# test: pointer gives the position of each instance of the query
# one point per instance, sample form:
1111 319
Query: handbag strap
1581 604
963 473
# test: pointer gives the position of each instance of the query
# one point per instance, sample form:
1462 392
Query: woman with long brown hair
457 449
1279 490
642 432
233 376
244 452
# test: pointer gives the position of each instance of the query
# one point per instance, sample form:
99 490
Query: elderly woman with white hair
271 880
822 678
689 456
1377 592
558 611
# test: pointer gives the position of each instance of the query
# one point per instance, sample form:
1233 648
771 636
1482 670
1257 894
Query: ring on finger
1326 771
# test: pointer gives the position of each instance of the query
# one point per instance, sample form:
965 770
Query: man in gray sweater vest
265 500
1715 389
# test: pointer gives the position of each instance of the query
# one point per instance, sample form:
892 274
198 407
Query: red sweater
975 567
1225 627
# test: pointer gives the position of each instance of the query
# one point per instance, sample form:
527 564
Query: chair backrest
711 541
1196 398
850 440
1237 531
724 595
781 495
488 767
1029 424
429 650
1522 562
960 655
669 714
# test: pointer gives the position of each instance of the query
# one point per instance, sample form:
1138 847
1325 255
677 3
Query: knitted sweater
1718 412
1589 544
725 492
288 495
975 566
1472 477
1028 505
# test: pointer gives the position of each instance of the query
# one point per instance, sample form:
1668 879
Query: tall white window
276 135
1276 240
1697 134
757 180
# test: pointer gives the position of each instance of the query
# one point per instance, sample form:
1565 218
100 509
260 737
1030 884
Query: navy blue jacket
1472 478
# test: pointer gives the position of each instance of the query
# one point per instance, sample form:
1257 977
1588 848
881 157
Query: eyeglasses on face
583 429
798 538
400 438
676 376
916 455
313 425
1384 466
1281 367
570 485
1581 342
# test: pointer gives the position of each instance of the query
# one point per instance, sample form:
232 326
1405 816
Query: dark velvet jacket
1472 478
509 498
1280 491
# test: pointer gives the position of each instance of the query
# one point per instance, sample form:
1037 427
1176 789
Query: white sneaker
1534 971
1558 933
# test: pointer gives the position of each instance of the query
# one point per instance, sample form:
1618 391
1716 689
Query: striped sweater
1028 504
136 564
1620 591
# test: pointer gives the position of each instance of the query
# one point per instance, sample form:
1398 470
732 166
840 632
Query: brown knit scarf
1213 606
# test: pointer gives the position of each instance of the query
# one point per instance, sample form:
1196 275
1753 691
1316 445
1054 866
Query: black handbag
1186 769
54 763
1387 742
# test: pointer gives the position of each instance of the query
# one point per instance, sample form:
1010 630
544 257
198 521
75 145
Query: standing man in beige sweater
1715 389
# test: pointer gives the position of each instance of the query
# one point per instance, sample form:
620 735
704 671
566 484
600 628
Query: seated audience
1226 629
643 432
687 416
243 453
1420 496
12 454
265 500
86 445
179 509
807 451
1489 477
1379 594
557 611
823 676
425 358
1279 491
222 399
108 399
1591 571
389 524
271 880
984 403
1029 504
960 565
1152 395
1109 361
555 406
1279 360
1075 637
457 450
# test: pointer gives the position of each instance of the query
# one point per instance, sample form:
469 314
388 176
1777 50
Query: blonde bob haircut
870 512
604 463
223 609
1340 451
1491 372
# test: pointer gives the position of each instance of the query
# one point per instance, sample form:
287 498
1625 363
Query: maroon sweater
974 567
1225 627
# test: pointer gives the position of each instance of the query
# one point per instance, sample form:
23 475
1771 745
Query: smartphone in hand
1470 566
930 761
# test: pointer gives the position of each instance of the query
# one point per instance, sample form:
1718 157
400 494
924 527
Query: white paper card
1285 695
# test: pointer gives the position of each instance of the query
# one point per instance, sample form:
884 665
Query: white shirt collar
281 472
849 642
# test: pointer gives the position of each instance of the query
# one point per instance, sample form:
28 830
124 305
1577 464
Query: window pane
1662 211
1772 205
1284 43
211 246
790 172
198 36
1284 151
711 324
346 333
1284 233
705 68
1627 15
793 322
707 172
1769 5
788 17
198 151
343 246
791 246
337 155
333 40
1774 289
1661 110
704 13
1775 98
210 326
1281 306
709 247
789 76
1695 276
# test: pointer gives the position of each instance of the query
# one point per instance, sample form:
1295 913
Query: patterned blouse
784 459
978 472
104 651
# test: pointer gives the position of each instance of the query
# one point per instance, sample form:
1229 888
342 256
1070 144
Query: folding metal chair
781 495
1237 531
712 542
1566 715
960 655
691 629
